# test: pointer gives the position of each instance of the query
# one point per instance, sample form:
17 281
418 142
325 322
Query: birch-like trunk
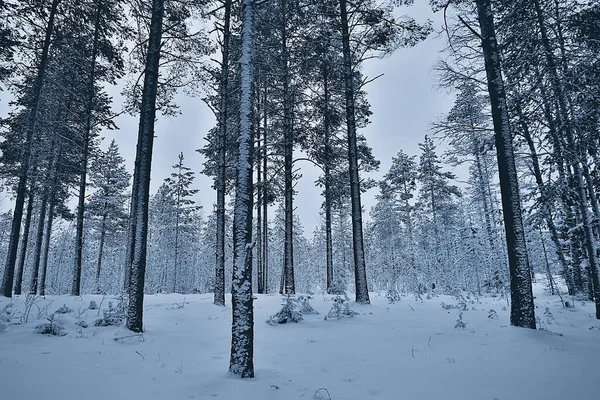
141 189
522 307
360 269
11 258
242 327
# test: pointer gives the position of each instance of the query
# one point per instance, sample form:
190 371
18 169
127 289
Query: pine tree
179 188
106 206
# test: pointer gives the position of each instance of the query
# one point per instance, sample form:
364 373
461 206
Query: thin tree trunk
242 327
25 239
288 139
143 162
9 268
522 307
360 269
219 296
327 177
100 251
259 198
37 252
89 104
47 237
265 205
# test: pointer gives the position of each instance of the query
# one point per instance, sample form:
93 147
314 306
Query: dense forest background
285 81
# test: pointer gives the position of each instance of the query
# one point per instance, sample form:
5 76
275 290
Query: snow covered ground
407 350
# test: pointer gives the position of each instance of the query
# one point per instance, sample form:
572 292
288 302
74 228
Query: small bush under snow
340 309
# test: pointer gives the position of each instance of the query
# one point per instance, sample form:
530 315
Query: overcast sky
404 102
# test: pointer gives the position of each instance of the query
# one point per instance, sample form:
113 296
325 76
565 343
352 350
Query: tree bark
289 286
242 328
9 268
360 270
219 296
522 307
265 205
76 288
327 177
100 251
143 162
25 240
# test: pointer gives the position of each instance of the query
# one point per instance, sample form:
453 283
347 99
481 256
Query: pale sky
404 102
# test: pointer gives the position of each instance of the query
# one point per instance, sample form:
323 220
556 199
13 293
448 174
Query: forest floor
411 349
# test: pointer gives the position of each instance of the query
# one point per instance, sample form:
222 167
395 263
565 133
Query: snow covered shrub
304 305
549 317
52 327
82 324
114 316
338 287
6 313
63 309
392 296
492 314
93 305
462 306
288 313
460 324
340 309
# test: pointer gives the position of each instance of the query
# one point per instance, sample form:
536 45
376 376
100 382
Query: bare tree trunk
47 237
259 199
242 328
360 269
25 239
76 288
11 258
100 251
143 162
265 205
288 139
37 252
522 307
327 177
219 296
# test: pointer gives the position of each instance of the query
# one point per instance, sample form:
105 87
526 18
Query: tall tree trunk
522 312
242 327
11 258
219 297
25 239
100 251
288 140
265 205
259 199
360 269
175 262
327 177
89 104
143 162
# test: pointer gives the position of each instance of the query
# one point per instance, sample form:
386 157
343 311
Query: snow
406 350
